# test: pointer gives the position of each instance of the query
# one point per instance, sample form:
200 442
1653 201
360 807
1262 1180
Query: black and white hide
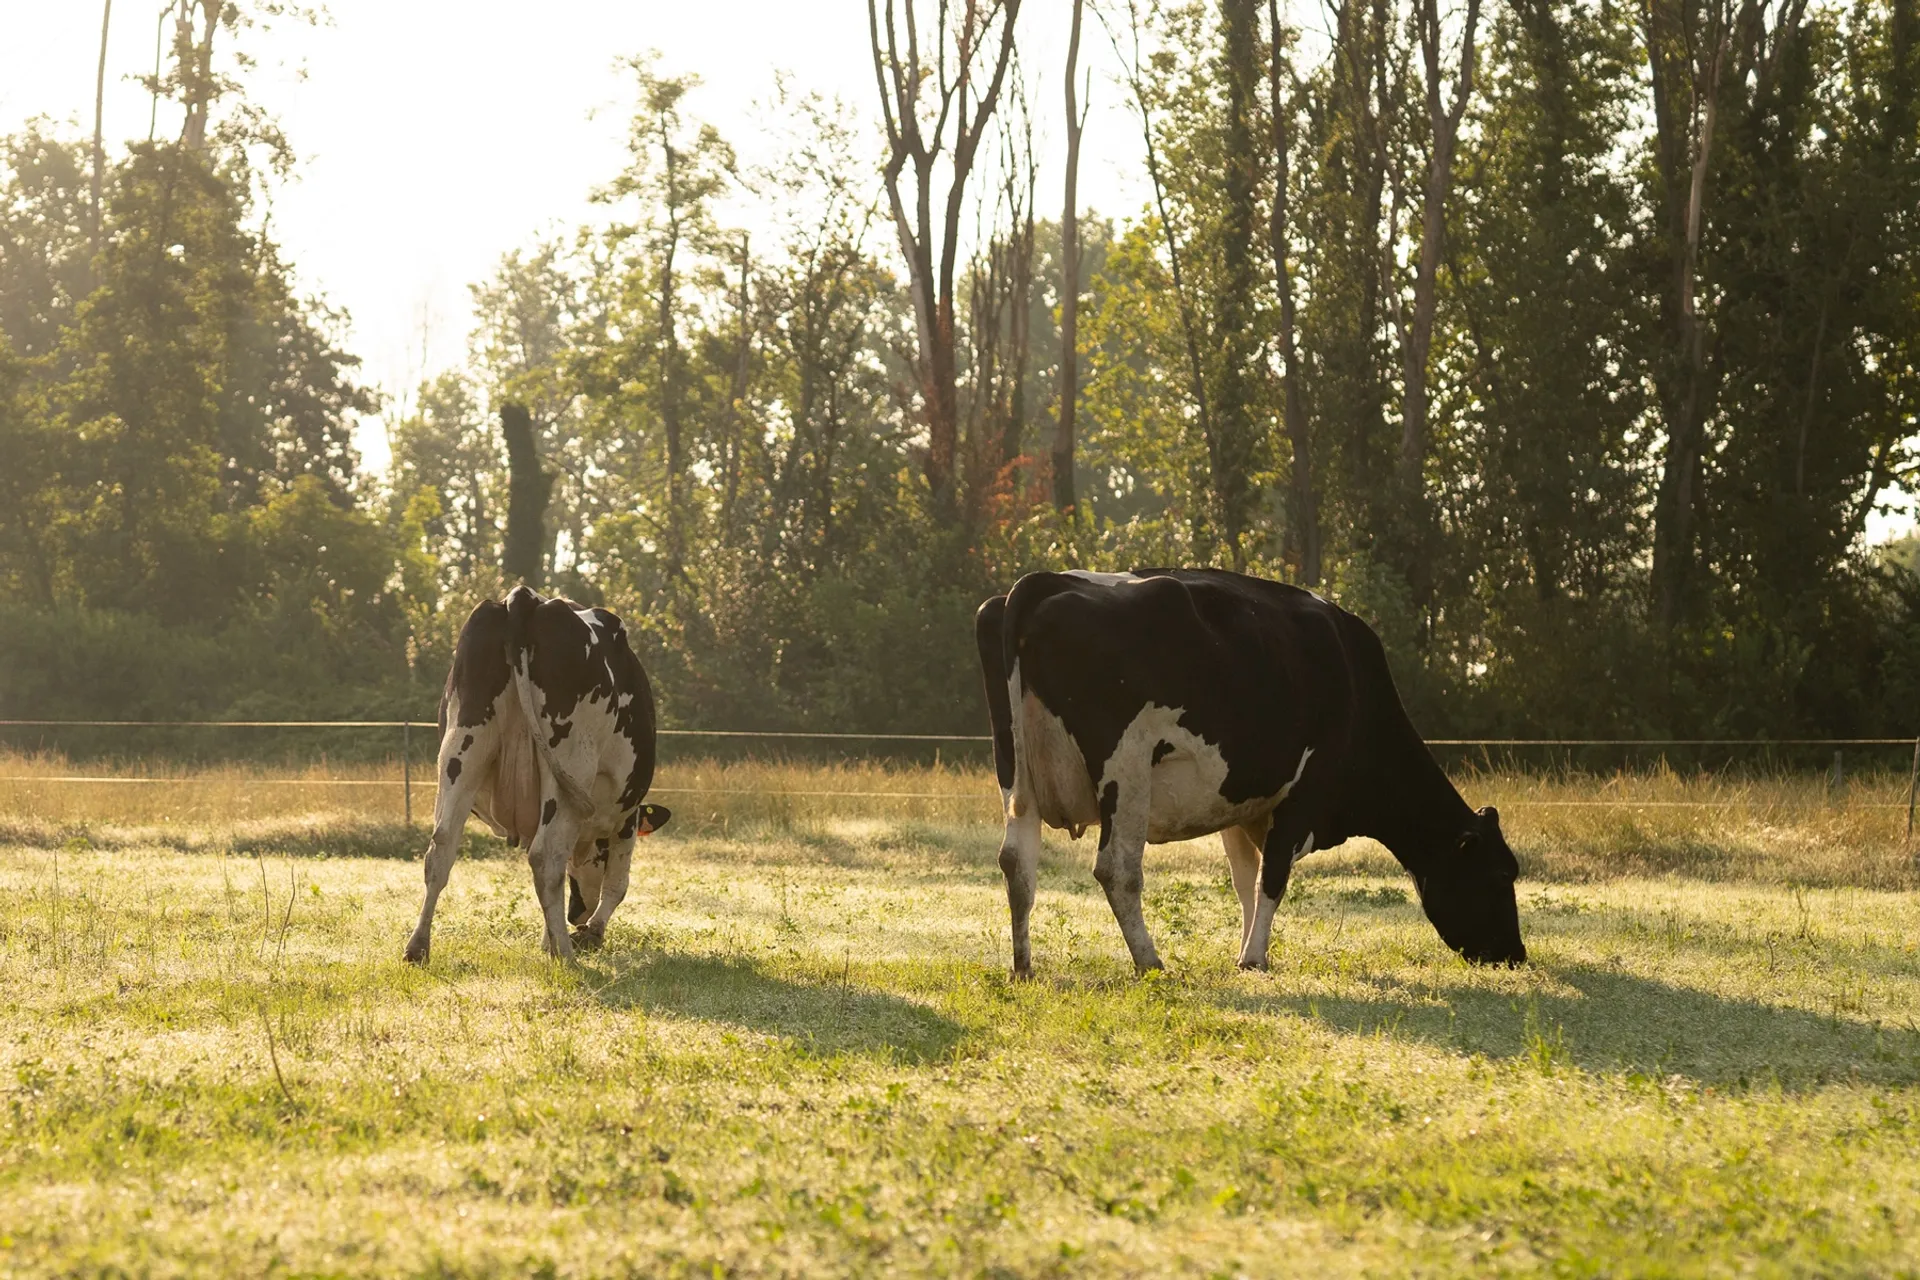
547 735
1166 705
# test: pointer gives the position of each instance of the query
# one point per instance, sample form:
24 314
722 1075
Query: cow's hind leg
1020 863
466 758
613 889
1118 866
1288 840
547 857
1242 844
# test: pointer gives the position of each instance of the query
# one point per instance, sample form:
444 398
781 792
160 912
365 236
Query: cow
1168 704
546 734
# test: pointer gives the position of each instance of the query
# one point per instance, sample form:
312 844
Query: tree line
1572 344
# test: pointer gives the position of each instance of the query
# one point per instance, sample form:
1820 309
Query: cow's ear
653 817
1490 819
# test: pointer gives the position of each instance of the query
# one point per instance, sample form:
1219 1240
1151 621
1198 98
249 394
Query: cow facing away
546 734
1169 704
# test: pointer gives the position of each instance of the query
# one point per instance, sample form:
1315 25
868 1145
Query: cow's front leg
1020 863
1118 867
613 889
547 857
1289 840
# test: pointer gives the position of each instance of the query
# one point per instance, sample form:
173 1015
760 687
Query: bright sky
434 137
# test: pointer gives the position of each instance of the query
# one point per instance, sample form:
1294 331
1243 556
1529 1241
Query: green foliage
739 440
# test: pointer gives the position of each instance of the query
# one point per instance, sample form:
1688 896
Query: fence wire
407 784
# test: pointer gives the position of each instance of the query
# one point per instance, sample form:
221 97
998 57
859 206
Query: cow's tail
987 627
520 609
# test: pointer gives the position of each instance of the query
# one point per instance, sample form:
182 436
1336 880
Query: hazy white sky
434 137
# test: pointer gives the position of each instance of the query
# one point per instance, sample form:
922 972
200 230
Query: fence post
406 733
1913 781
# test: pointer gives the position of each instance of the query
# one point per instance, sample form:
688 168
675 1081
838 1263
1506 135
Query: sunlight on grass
799 1053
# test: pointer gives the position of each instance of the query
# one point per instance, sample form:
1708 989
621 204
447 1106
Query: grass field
799 1054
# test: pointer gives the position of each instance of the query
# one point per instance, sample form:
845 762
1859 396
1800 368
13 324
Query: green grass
799 1054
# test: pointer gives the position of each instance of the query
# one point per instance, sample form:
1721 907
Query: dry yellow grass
1781 829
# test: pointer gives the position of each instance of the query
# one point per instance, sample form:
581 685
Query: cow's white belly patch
1185 785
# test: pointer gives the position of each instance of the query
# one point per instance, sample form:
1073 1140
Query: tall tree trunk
733 460
1686 91
1019 302
1069 393
670 373
1303 515
528 487
1016 295
199 73
1354 123
99 117
1230 451
1443 123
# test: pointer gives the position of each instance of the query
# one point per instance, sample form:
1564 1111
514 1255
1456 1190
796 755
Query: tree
444 448
1068 394
1232 442
679 168
99 120
527 488
1544 326
1416 332
936 105
1139 74
827 312
29 505
44 243
1349 105
1695 49
1303 508
521 351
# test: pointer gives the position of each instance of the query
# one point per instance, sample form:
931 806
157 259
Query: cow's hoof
1023 975
417 951
1253 966
587 940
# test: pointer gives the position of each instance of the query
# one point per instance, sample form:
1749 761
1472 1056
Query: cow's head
1468 895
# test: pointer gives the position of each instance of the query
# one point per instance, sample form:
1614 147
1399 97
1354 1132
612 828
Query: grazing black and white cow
546 733
1168 704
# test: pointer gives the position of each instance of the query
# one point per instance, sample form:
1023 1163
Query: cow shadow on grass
820 1017
1603 1020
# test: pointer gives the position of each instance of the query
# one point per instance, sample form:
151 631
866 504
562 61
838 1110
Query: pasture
799 1052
